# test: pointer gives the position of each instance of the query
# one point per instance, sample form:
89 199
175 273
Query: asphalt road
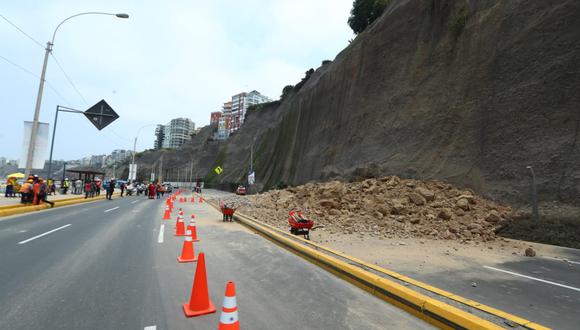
544 290
105 265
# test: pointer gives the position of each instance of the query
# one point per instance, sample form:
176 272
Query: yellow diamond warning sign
218 170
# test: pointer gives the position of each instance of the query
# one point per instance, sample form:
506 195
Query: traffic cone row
199 301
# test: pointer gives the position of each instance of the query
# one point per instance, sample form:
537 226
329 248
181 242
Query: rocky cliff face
465 91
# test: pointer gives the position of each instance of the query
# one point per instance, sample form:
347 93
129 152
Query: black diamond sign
101 115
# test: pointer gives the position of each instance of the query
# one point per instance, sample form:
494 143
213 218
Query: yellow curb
57 203
11 206
431 310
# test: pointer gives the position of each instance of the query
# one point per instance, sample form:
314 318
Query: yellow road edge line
429 309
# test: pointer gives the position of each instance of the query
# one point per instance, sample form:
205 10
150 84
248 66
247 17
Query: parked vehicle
241 190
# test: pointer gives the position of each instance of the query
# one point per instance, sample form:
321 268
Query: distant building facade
174 134
240 103
215 118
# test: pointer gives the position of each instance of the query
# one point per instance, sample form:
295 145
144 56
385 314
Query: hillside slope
470 92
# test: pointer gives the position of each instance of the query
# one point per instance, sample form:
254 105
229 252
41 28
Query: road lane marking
109 210
43 234
151 327
133 202
533 278
564 260
160 237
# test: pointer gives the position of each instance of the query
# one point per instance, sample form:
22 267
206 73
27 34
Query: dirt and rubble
389 207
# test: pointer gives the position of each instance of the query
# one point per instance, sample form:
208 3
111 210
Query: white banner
40 145
252 178
152 177
132 172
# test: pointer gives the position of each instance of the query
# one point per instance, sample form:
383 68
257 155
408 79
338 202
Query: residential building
174 134
2 161
239 106
159 136
97 161
215 118
120 155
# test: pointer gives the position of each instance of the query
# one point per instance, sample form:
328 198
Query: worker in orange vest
35 189
25 192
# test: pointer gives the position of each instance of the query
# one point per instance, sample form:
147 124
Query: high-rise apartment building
239 106
174 134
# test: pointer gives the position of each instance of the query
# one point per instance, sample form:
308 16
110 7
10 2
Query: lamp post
535 212
133 165
48 49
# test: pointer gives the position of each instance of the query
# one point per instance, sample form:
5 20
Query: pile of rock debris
387 207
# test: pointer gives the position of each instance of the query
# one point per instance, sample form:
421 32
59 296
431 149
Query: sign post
100 114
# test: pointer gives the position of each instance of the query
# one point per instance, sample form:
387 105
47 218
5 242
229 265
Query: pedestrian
159 190
35 188
43 192
26 191
123 186
49 183
87 189
99 184
10 187
110 189
79 186
65 185
74 186
151 190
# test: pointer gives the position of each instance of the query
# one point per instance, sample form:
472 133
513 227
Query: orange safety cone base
176 234
190 313
235 326
180 259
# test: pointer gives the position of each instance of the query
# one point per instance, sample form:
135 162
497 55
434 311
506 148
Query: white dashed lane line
43 234
161 231
533 278
109 210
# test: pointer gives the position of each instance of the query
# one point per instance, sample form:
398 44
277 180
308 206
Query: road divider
364 275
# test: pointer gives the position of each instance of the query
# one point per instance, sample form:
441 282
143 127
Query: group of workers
35 190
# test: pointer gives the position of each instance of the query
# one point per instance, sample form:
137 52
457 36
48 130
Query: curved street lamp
48 49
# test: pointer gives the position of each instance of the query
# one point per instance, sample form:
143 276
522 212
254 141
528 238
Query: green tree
364 12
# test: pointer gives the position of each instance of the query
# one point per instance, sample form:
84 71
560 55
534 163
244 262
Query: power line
56 92
69 79
22 31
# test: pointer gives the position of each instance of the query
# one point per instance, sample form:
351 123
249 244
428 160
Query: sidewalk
4 201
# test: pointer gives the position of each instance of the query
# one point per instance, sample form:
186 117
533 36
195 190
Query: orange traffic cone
229 318
174 198
191 228
180 211
193 199
187 252
167 214
199 302
201 200
180 227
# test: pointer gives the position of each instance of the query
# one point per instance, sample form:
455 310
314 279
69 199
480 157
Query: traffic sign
101 114
218 170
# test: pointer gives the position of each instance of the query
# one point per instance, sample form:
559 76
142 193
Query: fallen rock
417 199
493 217
530 252
426 193
463 204
444 214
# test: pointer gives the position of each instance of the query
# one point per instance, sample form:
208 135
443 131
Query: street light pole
134 150
34 128
535 212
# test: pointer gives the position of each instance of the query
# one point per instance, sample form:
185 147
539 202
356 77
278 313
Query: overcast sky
170 59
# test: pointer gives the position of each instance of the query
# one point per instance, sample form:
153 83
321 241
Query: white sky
171 58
